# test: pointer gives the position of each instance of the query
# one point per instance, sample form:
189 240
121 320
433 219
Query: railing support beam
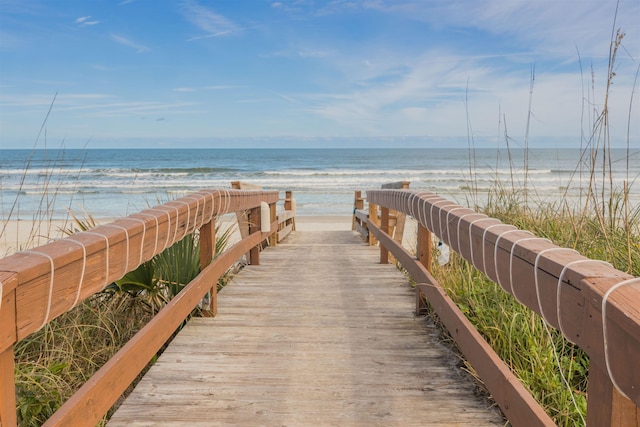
373 219
207 253
288 205
424 247
605 405
273 239
254 226
358 204
8 416
384 226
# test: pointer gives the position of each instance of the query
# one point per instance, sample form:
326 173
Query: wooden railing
592 304
38 285
286 217
396 219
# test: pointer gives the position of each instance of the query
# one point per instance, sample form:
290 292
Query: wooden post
8 415
384 226
424 247
273 238
605 405
241 216
287 200
254 226
8 336
288 205
401 219
373 218
358 204
207 252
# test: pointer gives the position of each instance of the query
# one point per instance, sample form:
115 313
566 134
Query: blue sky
158 73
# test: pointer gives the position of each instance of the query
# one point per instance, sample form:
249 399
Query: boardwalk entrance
319 334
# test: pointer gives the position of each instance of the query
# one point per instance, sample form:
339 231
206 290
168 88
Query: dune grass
54 362
603 224
554 370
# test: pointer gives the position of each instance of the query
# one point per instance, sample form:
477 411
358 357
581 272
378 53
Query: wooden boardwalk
319 334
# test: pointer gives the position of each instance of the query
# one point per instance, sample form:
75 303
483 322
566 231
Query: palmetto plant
157 281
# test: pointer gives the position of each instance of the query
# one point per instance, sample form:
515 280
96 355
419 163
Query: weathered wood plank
564 287
7 388
318 333
50 279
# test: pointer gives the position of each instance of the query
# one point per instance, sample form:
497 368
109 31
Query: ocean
110 183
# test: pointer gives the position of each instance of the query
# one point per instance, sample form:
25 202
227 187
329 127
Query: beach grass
603 224
554 370
54 362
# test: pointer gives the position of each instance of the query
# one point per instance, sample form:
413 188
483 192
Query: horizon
633 151
209 73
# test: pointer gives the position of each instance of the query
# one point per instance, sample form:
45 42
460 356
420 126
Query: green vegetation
539 355
54 362
603 225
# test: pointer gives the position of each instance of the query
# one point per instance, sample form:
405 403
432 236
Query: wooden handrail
511 395
396 219
41 284
563 286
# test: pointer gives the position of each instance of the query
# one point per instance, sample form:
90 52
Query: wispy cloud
419 95
553 27
61 100
295 7
209 22
129 43
96 105
137 108
286 98
204 88
548 28
86 21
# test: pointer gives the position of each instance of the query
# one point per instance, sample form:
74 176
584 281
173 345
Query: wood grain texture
566 288
92 401
111 251
319 333
509 393
8 416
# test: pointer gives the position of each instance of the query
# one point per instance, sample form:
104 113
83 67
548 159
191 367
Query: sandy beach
16 235
25 234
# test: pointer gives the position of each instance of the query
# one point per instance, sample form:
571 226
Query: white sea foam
112 182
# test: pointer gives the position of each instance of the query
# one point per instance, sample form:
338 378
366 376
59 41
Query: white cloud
137 108
376 89
544 26
61 100
85 20
129 43
416 113
286 98
204 88
208 21
427 95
